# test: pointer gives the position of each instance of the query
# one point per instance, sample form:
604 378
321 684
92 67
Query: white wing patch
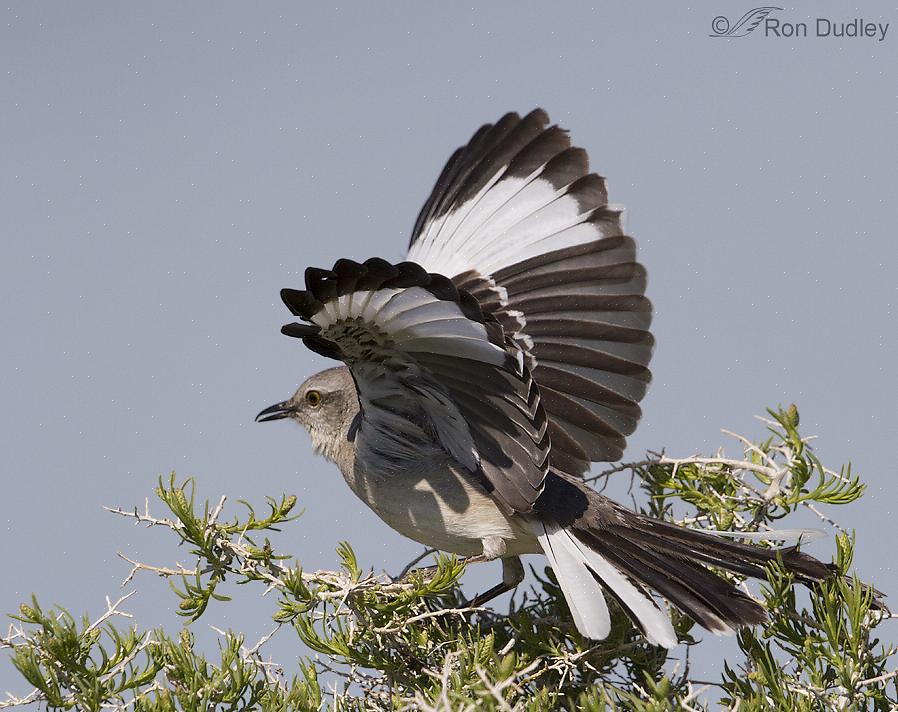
412 319
492 229
508 221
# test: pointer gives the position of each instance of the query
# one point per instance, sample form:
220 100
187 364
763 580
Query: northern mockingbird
483 376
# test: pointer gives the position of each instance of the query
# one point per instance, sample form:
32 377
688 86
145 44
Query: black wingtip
538 116
322 283
301 303
300 331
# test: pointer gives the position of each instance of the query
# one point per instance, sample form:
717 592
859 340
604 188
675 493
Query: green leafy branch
411 643
774 478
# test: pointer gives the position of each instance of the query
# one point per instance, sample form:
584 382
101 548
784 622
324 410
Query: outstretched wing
517 220
433 372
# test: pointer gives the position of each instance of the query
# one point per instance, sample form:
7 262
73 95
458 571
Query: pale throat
325 441
330 437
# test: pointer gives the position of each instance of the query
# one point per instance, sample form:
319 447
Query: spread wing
518 221
432 370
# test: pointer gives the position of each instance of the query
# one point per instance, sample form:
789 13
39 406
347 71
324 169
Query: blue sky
168 168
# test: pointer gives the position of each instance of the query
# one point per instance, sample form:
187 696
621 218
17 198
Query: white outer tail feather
574 564
581 591
577 566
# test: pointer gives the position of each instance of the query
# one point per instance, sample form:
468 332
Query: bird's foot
512 575
429 571
425 572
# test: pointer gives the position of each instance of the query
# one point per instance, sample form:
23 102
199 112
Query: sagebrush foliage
409 643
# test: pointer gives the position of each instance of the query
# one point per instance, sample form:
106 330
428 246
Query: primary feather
517 219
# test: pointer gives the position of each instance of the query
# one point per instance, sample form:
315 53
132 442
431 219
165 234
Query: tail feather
707 598
579 567
641 607
630 554
679 549
713 549
580 589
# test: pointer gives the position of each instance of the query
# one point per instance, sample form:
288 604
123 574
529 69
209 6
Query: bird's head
324 404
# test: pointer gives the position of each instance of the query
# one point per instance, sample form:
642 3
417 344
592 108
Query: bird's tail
631 553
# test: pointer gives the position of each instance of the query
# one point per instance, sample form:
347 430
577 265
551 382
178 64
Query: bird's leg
493 548
512 570
512 575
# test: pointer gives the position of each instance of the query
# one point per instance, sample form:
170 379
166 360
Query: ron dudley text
824 27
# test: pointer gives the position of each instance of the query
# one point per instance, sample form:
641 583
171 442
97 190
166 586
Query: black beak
278 411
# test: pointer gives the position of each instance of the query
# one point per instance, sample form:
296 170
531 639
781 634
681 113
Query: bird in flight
484 374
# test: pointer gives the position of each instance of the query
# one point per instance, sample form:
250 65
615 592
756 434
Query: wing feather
434 374
520 224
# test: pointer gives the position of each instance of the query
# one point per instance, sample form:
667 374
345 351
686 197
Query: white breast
443 509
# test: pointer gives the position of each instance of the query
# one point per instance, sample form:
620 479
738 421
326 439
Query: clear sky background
167 167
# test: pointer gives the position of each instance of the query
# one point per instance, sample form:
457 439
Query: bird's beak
278 411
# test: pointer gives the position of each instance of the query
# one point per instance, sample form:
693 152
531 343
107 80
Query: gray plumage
483 375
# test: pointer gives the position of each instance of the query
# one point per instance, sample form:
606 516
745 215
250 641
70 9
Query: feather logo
720 25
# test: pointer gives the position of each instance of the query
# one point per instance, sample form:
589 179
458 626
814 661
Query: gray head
324 404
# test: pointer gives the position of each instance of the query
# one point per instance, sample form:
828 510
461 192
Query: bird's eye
313 398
